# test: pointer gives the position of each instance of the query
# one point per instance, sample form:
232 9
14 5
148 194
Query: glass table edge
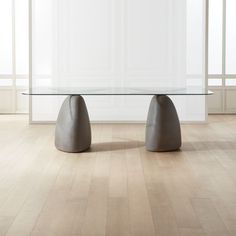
122 91
117 94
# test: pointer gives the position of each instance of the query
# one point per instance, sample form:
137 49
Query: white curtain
116 43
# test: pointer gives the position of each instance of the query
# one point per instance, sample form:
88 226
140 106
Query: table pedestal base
163 128
73 132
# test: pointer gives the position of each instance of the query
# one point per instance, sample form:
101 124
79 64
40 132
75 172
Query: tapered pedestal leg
163 128
73 132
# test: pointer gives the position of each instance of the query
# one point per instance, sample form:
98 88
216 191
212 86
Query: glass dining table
73 130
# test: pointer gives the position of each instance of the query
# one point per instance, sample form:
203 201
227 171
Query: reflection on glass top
118 91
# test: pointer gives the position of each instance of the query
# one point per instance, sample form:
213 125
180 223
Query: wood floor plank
191 232
57 203
141 220
27 216
162 211
118 175
118 223
226 213
209 217
96 214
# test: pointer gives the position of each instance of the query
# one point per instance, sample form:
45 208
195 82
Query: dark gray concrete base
73 132
163 128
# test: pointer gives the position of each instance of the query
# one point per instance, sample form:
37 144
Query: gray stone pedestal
163 128
73 132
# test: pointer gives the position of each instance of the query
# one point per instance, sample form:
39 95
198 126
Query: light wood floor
118 188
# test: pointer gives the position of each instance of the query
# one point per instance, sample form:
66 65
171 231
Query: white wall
141 43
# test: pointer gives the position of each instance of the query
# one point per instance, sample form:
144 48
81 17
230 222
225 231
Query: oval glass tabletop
118 91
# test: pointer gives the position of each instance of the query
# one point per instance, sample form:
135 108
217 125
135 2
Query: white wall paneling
6 95
230 97
215 102
117 43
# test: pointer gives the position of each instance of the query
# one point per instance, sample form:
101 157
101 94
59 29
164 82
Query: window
222 55
14 52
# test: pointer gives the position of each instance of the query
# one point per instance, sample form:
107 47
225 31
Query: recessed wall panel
86 35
